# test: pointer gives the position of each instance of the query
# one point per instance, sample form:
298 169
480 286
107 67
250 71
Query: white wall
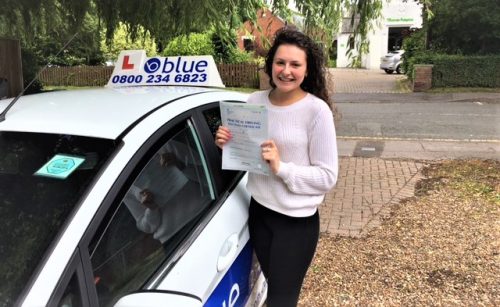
342 44
395 13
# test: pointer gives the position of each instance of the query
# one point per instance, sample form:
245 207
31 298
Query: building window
248 44
350 42
348 25
396 35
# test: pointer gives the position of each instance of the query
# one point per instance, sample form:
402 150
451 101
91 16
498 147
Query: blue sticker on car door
234 288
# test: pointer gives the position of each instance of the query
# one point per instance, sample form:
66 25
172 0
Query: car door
219 265
205 258
244 282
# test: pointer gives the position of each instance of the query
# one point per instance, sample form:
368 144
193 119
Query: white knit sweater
304 133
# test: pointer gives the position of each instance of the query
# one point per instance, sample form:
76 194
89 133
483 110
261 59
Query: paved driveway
348 80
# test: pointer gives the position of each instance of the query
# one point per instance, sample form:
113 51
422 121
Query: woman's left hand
147 199
271 154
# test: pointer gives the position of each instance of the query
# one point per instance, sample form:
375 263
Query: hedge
459 70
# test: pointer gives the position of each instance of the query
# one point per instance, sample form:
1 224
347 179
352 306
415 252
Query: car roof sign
135 68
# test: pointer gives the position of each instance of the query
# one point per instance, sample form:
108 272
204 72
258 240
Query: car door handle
228 252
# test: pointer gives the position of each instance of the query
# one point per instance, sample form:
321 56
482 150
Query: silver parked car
392 61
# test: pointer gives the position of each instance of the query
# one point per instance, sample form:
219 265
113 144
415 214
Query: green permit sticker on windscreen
60 166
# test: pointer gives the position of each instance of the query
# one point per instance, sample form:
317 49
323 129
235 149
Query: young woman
302 155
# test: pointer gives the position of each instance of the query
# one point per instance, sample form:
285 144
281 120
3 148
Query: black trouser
285 247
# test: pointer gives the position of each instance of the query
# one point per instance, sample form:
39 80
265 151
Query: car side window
213 119
160 208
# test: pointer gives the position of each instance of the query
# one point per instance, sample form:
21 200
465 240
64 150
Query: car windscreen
42 179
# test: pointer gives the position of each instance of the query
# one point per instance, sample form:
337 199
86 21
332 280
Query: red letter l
126 64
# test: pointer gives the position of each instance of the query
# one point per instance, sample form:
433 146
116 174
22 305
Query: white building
397 17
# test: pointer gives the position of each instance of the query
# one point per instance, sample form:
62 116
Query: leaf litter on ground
438 248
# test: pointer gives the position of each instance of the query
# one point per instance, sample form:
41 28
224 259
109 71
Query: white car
392 62
116 197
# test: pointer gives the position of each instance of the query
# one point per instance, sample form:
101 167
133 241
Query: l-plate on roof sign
135 68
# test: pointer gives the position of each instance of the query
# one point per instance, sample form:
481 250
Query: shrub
206 44
413 44
192 44
226 48
460 70
239 56
30 60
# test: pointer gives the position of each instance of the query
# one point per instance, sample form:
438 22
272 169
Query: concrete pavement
417 149
376 173
479 97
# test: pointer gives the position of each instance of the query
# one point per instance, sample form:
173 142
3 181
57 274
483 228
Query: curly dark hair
315 80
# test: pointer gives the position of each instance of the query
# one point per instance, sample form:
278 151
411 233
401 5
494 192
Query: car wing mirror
158 298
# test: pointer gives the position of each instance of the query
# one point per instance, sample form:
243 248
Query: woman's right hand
222 136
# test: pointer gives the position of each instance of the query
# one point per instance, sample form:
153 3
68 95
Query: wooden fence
233 75
11 72
76 76
239 75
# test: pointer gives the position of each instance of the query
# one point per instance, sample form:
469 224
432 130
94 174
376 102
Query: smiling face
289 68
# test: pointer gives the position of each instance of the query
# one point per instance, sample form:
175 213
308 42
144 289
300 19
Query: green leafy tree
48 24
465 27
122 41
166 19
457 27
207 43
413 45
45 27
427 15
191 44
223 48
322 18
364 12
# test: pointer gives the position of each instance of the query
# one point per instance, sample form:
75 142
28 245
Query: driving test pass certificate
248 125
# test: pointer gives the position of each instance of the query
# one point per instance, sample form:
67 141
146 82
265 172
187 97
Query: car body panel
391 61
70 112
210 246
152 299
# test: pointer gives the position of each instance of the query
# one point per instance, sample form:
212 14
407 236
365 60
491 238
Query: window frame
115 195
75 267
221 187
220 176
